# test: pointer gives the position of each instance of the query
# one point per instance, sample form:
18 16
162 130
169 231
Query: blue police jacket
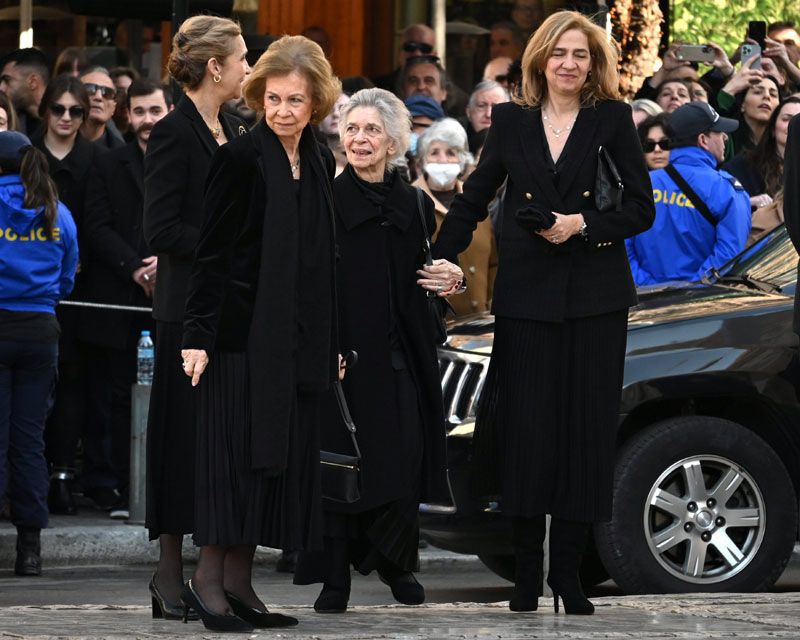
682 244
36 271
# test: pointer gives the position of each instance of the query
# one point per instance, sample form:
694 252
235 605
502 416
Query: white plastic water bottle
144 359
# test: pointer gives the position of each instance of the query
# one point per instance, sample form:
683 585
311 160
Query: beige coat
478 261
765 219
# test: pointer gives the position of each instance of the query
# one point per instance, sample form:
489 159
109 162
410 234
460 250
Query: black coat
113 231
791 199
244 289
371 246
176 165
536 279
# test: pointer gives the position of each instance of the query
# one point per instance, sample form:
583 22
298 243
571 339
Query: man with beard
98 126
23 78
123 272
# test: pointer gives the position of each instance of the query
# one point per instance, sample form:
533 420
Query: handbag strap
421 210
344 410
702 207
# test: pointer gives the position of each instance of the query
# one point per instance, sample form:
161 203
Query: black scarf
375 192
274 340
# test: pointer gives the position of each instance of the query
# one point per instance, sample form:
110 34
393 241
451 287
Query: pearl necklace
295 166
557 132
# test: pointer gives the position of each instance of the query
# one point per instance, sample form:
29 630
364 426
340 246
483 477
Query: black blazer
175 168
791 199
536 279
113 232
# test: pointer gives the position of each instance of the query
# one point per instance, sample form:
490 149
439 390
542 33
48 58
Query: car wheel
700 504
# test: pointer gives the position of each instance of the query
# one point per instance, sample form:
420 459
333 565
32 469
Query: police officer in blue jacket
684 243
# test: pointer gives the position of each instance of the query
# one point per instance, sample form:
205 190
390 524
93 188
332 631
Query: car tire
670 534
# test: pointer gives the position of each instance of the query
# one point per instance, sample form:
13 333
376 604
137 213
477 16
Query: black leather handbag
608 186
340 473
437 307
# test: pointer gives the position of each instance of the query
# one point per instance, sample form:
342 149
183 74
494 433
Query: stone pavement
697 616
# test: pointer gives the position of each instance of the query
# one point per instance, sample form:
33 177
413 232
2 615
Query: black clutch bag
437 307
608 187
340 474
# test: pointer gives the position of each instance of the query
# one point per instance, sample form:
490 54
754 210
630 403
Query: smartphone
757 30
695 53
751 51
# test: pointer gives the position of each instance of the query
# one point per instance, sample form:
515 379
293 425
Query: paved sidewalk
695 616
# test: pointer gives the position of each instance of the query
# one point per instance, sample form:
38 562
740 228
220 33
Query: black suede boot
29 549
567 543
527 536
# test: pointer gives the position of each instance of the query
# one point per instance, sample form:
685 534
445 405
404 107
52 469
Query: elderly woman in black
259 336
548 412
393 393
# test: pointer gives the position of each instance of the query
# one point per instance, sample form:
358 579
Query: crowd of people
273 216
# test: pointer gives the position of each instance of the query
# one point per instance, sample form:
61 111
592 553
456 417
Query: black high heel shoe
527 537
212 621
575 603
259 619
567 543
163 609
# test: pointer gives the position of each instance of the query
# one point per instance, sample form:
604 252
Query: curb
105 542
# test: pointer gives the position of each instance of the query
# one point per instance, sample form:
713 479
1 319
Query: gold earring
218 78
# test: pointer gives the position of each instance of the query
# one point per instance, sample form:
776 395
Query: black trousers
107 426
27 377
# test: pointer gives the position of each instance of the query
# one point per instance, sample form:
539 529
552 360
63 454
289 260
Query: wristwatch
584 231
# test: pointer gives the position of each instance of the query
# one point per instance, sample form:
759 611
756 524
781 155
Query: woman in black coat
260 314
548 412
394 393
207 59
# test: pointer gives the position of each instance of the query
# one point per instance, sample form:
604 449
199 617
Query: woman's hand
564 227
442 277
761 200
195 362
744 77
342 368
721 60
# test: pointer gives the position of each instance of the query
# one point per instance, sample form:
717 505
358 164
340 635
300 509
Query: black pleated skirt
171 435
236 504
547 420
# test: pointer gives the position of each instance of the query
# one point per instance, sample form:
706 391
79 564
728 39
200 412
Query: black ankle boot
527 536
567 543
29 550
59 498
404 586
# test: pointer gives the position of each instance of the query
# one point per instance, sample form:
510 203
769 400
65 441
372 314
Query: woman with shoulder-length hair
394 393
38 257
208 61
260 336
546 426
8 116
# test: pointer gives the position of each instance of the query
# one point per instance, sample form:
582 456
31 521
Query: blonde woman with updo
208 61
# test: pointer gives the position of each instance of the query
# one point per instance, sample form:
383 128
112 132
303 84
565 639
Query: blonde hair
304 56
603 80
199 39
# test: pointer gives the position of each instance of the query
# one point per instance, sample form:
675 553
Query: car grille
462 381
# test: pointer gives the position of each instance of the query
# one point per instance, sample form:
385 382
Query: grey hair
95 69
646 106
395 116
485 85
449 131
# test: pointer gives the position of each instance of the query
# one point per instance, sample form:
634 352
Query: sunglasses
107 92
434 60
650 145
59 110
411 46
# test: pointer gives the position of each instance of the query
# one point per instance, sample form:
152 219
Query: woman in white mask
443 156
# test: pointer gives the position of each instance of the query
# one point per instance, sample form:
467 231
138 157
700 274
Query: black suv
708 463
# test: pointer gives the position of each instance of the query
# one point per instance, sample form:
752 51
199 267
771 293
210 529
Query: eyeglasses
58 110
650 145
107 92
423 47
434 60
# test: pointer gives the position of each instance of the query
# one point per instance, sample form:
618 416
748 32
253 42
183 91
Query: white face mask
442 174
